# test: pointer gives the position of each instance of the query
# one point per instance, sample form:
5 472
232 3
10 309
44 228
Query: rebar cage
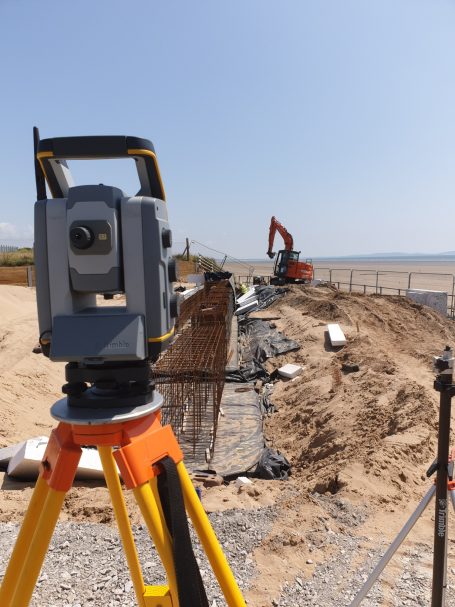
190 374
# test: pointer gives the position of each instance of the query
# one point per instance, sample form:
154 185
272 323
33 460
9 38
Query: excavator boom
275 226
288 268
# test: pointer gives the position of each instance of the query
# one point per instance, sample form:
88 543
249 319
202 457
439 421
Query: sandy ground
366 437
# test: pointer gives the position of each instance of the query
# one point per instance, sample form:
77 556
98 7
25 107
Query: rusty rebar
190 374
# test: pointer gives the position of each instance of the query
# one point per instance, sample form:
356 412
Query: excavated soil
359 442
370 432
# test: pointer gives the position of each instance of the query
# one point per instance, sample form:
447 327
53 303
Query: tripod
151 464
444 485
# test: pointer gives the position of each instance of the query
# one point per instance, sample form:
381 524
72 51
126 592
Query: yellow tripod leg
209 541
22 544
38 548
152 514
123 523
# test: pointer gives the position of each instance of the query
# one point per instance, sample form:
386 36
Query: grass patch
21 257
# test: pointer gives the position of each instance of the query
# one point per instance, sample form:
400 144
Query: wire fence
211 259
6 248
380 282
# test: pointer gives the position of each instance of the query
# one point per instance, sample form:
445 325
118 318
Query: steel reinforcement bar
190 374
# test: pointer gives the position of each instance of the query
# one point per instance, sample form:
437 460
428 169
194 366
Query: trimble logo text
117 345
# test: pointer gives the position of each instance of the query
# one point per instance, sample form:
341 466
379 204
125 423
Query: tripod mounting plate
91 416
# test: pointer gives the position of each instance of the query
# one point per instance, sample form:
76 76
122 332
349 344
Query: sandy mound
345 431
29 382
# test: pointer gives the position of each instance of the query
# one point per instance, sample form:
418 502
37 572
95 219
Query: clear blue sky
337 117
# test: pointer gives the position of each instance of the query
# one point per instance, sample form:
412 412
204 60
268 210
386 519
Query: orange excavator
287 266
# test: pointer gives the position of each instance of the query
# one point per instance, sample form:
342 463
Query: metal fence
381 282
389 282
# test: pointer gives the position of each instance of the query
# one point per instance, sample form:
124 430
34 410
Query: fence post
377 281
30 276
453 292
409 280
350 281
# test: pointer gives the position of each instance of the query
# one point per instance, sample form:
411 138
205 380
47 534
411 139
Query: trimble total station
93 242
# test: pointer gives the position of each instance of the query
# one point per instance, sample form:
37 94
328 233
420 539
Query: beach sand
436 275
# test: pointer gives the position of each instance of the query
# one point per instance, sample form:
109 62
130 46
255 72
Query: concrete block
242 481
6 453
250 293
24 464
433 299
247 307
290 371
336 335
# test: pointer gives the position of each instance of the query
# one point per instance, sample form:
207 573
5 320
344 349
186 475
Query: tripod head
93 242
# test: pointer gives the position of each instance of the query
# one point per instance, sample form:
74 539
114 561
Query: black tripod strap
190 587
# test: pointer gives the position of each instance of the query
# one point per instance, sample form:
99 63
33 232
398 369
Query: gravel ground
330 586
85 565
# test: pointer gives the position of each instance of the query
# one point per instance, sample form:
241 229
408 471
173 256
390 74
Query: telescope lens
81 237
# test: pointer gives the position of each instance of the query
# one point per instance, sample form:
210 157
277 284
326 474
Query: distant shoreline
370 259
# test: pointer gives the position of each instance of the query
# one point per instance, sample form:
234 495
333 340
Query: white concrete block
90 465
433 299
6 453
244 309
336 335
25 461
242 481
250 293
290 371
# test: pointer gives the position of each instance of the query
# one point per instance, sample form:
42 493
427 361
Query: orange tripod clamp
140 443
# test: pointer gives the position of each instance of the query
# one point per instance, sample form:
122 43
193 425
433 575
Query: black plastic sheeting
272 465
264 341
267 295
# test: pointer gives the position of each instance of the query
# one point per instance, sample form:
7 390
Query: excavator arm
275 226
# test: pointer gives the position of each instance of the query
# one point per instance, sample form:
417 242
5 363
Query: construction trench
218 424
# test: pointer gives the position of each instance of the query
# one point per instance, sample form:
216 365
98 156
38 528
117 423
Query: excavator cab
282 262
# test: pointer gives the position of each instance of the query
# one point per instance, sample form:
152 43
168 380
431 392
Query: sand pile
370 432
29 382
